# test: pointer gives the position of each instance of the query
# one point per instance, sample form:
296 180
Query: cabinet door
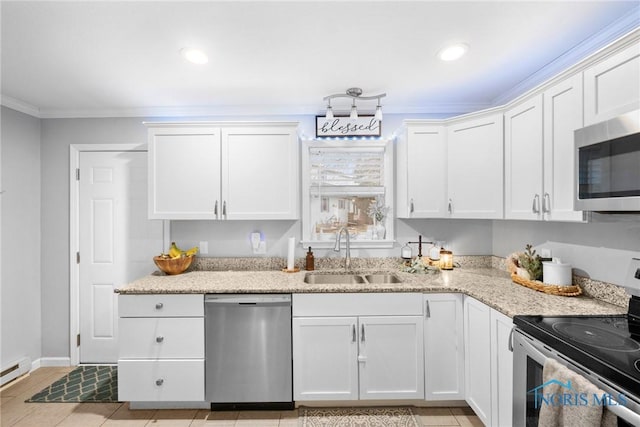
390 357
562 116
325 353
184 173
477 340
523 160
501 369
443 347
424 168
475 168
612 87
260 173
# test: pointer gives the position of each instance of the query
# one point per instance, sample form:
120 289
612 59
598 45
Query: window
348 183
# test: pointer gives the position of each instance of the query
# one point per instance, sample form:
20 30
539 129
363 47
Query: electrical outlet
258 244
204 248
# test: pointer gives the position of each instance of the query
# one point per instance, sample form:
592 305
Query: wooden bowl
173 266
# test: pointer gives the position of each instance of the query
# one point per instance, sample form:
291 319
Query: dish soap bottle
310 260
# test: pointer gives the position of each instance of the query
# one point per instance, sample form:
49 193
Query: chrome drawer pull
159 306
353 333
159 339
159 382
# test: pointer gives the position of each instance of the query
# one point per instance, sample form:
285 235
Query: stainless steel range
603 349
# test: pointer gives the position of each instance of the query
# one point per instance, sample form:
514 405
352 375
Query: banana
192 251
175 251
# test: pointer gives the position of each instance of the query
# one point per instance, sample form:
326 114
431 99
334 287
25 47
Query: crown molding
21 106
620 32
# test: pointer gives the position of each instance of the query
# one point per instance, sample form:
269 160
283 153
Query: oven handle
620 411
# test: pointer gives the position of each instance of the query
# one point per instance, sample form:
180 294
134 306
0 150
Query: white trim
21 106
50 361
74 243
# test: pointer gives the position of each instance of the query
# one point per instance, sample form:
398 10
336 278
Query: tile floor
15 412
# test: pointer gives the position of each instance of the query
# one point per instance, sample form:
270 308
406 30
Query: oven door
529 357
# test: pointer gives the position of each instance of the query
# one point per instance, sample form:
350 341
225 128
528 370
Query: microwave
607 165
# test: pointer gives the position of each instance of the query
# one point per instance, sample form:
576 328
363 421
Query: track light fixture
355 93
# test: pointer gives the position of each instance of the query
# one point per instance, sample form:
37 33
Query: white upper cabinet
475 167
422 172
612 86
523 160
562 116
260 173
223 171
184 172
539 172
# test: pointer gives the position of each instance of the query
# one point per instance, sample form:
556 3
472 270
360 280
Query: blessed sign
345 126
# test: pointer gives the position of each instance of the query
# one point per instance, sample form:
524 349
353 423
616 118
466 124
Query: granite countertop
491 286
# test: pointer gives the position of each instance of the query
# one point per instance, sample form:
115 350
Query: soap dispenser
310 260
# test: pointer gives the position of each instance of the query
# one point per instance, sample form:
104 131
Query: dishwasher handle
248 300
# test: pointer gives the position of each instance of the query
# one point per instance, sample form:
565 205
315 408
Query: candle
291 253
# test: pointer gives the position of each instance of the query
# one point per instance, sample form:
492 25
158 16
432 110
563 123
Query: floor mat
83 384
358 417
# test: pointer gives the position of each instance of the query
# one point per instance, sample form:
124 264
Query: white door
260 173
477 338
523 160
475 168
324 358
390 357
443 347
117 244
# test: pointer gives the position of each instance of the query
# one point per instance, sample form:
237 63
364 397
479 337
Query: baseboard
51 361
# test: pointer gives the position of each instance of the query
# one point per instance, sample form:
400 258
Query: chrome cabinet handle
450 207
159 339
362 333
510 343
536 204
546 203
353 333
159 306
427 309
159 381
224 209
411 206
215 210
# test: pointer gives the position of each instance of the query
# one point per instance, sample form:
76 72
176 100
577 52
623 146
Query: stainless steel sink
329 279
382 278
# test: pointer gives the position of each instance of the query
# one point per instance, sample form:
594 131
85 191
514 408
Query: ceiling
92 58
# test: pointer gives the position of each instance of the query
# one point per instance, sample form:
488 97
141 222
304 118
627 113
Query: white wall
21 213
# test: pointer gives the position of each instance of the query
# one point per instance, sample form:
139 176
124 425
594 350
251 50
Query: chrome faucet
347 261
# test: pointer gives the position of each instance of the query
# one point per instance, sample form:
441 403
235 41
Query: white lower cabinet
443 347
161 355
364 346
488 363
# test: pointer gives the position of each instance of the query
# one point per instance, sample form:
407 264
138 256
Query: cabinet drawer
163 380
158 337
357 304
161 305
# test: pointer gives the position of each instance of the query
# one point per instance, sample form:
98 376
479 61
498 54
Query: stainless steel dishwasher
248 351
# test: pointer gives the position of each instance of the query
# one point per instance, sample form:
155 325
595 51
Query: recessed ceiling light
193 55
453 52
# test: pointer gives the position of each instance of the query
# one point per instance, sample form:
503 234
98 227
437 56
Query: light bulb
329 114
453 52
354 112
378 115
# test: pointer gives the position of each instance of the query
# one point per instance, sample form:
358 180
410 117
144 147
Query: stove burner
595 337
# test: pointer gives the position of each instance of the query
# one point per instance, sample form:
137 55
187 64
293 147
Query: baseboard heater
15 370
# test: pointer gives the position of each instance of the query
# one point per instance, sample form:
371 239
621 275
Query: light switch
204 248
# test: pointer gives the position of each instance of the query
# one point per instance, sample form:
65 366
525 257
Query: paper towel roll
291 253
